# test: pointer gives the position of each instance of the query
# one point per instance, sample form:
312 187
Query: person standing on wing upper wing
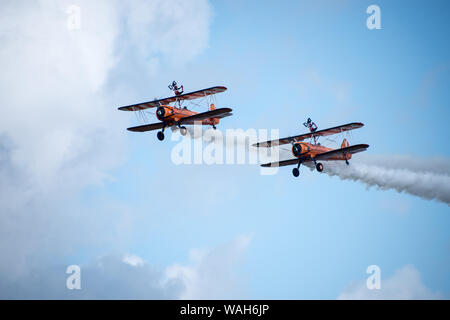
312 127
175 89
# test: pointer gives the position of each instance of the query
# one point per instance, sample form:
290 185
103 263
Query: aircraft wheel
160 135
319 167
183 131
214 127
295 172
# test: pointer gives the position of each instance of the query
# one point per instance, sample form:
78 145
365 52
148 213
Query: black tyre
319 167
295 172
160 135
183 131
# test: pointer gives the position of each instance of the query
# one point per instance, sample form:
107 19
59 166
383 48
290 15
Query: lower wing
147 127
348 150
323 156
217 113
281 163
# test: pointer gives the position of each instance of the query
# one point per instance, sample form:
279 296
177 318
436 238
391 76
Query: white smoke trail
428 179
438 165
192 131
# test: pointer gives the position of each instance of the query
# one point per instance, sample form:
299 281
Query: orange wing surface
187 96
320 133
349 150
322 156
217 113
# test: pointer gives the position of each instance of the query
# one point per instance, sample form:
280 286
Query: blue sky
310 237
314 235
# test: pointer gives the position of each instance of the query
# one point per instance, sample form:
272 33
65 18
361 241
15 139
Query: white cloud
176 30
211 273
56 111
404 284
419 178
53 110
133 260
59 125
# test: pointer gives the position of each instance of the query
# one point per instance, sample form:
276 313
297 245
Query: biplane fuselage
309 151
314 152
172 115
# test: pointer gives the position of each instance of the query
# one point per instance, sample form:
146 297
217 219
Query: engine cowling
298 149
160 113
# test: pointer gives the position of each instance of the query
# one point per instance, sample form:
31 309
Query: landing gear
214 127
346 162
319 167
295 171
160 134
183 131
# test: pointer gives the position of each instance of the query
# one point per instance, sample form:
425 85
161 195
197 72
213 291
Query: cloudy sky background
76 188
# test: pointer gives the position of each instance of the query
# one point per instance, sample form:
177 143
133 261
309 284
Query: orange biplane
313 151
171 116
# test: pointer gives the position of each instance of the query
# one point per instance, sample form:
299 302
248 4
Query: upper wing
147 127
217 113
352 149
187 96
320 133
281 163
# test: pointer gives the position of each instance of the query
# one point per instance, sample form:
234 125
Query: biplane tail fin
344 144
